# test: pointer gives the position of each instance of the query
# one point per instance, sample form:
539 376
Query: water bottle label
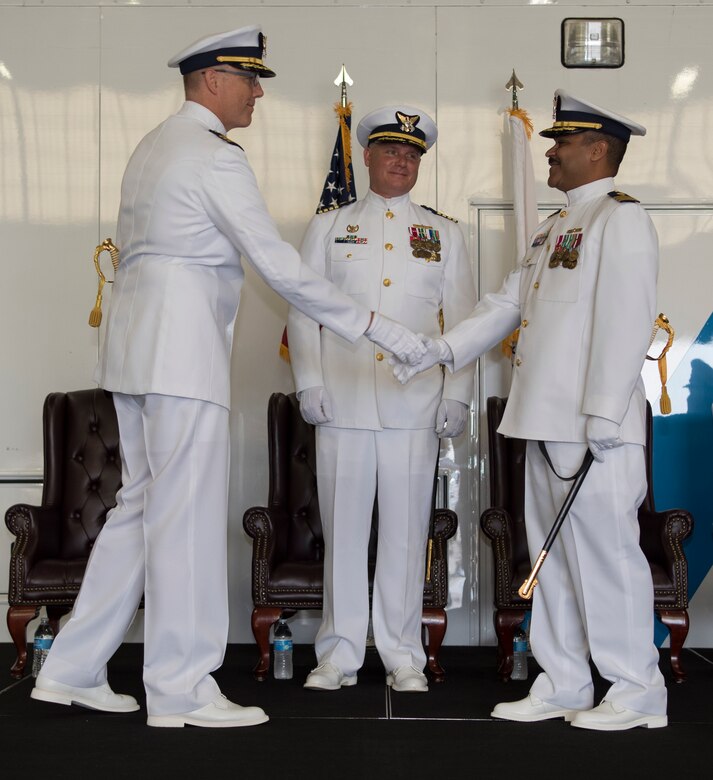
43 643
283 645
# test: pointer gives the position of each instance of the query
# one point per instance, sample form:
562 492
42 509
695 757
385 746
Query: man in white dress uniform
584 298
373 435
190 207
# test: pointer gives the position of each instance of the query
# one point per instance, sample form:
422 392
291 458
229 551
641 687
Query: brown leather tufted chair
288 549
662 534
82 473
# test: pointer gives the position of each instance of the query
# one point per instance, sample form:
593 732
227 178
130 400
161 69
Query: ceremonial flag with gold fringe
339 189
524 197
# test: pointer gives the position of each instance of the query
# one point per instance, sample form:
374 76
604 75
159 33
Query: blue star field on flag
339 189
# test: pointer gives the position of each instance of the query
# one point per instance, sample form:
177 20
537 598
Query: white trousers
165 539
595 592
350 463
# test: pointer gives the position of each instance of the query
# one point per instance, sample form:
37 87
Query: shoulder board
439 213
226 139
622 197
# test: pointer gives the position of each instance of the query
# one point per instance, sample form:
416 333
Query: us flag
339 189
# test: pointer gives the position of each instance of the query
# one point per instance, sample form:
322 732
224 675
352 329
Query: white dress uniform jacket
190 208
366 250
584 330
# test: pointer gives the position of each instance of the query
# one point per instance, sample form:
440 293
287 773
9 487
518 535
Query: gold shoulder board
226 139
440 213
622 197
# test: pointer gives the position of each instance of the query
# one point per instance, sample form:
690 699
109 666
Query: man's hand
602 434
395 338
437 351
451 418
315 405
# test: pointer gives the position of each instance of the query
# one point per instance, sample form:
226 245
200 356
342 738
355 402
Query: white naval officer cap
574 115
398 124
243 49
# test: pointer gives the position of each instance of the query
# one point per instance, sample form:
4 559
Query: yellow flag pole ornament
95 315
662 323
509 344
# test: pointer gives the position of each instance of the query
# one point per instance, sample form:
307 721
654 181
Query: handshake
411 353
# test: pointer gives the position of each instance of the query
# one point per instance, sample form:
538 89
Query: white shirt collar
204 115
386 203
588 191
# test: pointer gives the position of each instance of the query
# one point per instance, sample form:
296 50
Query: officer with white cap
190 207
411 264
584 298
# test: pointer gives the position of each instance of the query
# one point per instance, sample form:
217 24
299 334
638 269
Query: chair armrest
257 522
497 524
662 534
36 529
445 524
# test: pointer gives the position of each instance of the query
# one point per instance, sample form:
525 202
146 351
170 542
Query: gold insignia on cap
407 123
264 45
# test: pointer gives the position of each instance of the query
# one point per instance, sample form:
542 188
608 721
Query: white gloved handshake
436 351
406 346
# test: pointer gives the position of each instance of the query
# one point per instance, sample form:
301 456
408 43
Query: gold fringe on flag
508 345
343 112
662 323
521 114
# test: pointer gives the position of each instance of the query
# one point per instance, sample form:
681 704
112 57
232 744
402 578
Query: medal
566 251
425 243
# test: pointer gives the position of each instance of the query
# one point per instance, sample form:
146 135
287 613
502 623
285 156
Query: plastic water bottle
282 646
519 655
41 645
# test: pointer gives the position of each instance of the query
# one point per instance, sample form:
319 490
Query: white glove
395 338
315 405
602 434
437 351
451 418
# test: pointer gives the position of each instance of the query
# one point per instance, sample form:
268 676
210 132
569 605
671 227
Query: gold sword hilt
95 315
526 589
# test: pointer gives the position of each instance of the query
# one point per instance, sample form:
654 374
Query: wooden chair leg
17 620
676 621
262 619
506 621
435 622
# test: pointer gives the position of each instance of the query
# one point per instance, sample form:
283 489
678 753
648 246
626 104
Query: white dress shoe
610 717
100 698
407 679
327 677
219 714
531 709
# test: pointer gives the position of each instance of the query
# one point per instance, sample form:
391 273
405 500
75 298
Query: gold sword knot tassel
662 323
95 315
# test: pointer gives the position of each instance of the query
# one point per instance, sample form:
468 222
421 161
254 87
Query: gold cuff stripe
401 136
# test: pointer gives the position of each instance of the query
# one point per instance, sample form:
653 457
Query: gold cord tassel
95 315
662 322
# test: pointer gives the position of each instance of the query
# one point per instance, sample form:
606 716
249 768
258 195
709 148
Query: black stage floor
362 732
